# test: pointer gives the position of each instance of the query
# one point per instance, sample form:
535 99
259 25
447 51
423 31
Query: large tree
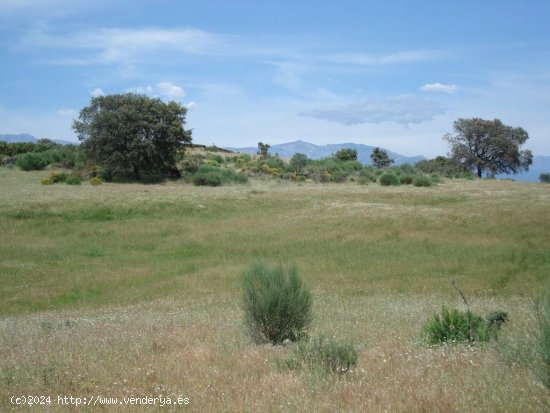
489 146
130 133
380 158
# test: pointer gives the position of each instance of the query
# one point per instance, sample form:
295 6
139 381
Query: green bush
207 179
217 158
323 354
454 326
277 306
209 175
545 178
31 161
389 179
47 181
72 180
96 180
422 180
406 179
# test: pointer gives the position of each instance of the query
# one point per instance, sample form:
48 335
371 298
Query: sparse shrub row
72 179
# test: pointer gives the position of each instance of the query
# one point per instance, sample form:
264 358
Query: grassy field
133 290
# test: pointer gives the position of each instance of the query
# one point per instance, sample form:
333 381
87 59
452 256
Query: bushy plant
323 354
456 326
208 175
545 177
73 180
276 304
58 177
389 179
217 158
96 180
47 181
31 161
210 178
406 179
422 180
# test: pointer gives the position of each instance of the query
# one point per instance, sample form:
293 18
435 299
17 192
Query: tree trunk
479 170
136 173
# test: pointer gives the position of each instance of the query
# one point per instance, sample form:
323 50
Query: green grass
147 276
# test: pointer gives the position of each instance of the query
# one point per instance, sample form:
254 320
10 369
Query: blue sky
388 73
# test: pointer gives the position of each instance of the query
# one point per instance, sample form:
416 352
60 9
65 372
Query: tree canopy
380 158
489 146
131 133
346 154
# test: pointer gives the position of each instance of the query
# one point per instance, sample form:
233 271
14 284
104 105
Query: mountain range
25 137
287 150
541 163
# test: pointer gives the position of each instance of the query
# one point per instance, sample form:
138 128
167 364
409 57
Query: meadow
127 289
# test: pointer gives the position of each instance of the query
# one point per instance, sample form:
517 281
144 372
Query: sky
394 74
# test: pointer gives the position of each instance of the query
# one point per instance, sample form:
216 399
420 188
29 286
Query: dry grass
131 290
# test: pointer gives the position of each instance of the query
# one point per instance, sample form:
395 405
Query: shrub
189 165
277 306
207 179
324 354
31 161
73 180
545 178
389 179
208 175
422 180
496 319
454 326
96 180
217 158
47 181
58 177
406 179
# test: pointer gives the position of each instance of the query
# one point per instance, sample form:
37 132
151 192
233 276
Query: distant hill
541 164
287 150
24 137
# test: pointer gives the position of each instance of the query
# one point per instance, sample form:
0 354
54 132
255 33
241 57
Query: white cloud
401 109
190 105
170 91
439 88
163 90
126 46
381 59
141 90
96 92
